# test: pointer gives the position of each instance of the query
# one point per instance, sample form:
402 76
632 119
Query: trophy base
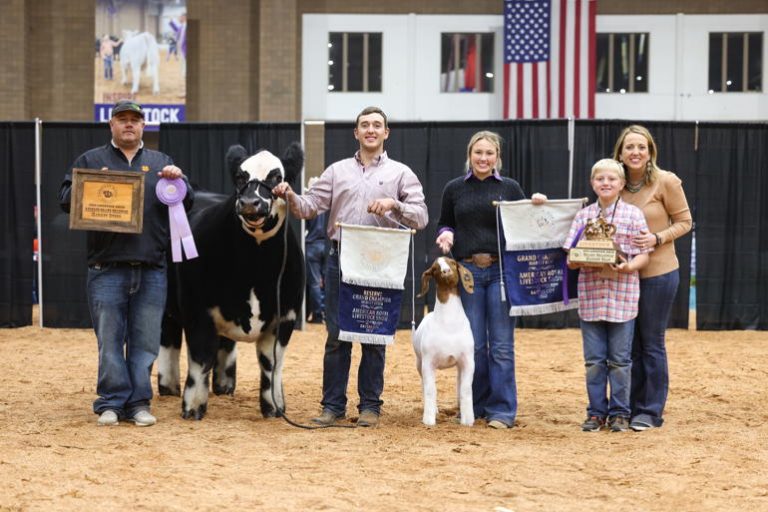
594 253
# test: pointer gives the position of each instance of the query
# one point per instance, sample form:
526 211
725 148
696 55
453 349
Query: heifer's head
261 213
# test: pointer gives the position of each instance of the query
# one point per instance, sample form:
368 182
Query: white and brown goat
444 338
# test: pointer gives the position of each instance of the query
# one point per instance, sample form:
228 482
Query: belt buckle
482 260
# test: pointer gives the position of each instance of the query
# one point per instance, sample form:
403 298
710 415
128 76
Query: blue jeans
494 390
607 357
126 304
108 67
315 257
338 355
650 375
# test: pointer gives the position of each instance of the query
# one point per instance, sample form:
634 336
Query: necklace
635 187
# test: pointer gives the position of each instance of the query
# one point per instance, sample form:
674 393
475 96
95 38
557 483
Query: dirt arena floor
711 454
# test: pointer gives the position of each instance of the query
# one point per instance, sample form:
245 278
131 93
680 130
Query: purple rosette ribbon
172 193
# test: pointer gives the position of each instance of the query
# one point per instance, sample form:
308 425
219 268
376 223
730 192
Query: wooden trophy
596 248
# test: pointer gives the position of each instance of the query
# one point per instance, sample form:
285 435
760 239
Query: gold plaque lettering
107 201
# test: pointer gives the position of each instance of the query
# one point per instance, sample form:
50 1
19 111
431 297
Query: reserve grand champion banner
536 276
141 55
373 263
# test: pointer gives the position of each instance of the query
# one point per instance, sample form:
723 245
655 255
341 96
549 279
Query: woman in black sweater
467 229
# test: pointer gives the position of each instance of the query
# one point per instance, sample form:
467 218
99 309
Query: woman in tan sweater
659 194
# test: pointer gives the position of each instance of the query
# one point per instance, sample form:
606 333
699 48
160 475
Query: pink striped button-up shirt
347 187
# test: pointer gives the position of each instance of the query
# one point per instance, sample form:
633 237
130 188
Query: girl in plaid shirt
608 298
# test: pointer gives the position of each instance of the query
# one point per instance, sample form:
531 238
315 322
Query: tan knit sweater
667 214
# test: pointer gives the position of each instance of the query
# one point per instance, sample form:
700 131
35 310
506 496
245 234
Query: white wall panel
678 69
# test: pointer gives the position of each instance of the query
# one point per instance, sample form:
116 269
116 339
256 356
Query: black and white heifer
249 263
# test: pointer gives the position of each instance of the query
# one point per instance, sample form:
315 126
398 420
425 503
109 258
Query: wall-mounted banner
141 54
374 263
536 276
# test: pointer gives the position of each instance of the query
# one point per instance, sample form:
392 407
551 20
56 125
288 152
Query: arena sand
711 454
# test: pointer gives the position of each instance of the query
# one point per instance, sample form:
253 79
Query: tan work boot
368 419
326 419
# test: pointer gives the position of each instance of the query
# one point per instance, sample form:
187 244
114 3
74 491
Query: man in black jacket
126 283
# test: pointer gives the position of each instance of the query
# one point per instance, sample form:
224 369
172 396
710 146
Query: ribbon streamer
172 193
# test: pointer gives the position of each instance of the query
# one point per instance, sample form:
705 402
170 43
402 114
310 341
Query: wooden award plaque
107 201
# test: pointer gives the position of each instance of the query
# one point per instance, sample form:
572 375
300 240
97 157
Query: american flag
549 59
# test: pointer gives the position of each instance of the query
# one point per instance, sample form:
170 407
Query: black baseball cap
127 106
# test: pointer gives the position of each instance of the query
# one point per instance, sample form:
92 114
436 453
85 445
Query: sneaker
107 418
618 424
639 425
368 419
497 424
593 424
327 418
143 419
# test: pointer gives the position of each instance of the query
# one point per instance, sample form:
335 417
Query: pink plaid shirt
604 295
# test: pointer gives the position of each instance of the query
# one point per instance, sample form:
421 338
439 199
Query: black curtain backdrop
63 251
732 227
17 231
199 148
723 181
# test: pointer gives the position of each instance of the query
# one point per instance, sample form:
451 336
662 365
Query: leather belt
123 264
482 259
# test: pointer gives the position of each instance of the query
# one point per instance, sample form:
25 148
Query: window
735 62
466 63
622 63
354 62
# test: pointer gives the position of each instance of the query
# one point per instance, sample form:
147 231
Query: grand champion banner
373 263
536 276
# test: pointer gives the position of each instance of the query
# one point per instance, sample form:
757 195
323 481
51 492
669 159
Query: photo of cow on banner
140 55
536 278
373 263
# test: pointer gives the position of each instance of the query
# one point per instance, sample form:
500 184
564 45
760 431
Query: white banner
529 226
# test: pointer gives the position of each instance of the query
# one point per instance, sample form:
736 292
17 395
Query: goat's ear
293 161
425 276
467 281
